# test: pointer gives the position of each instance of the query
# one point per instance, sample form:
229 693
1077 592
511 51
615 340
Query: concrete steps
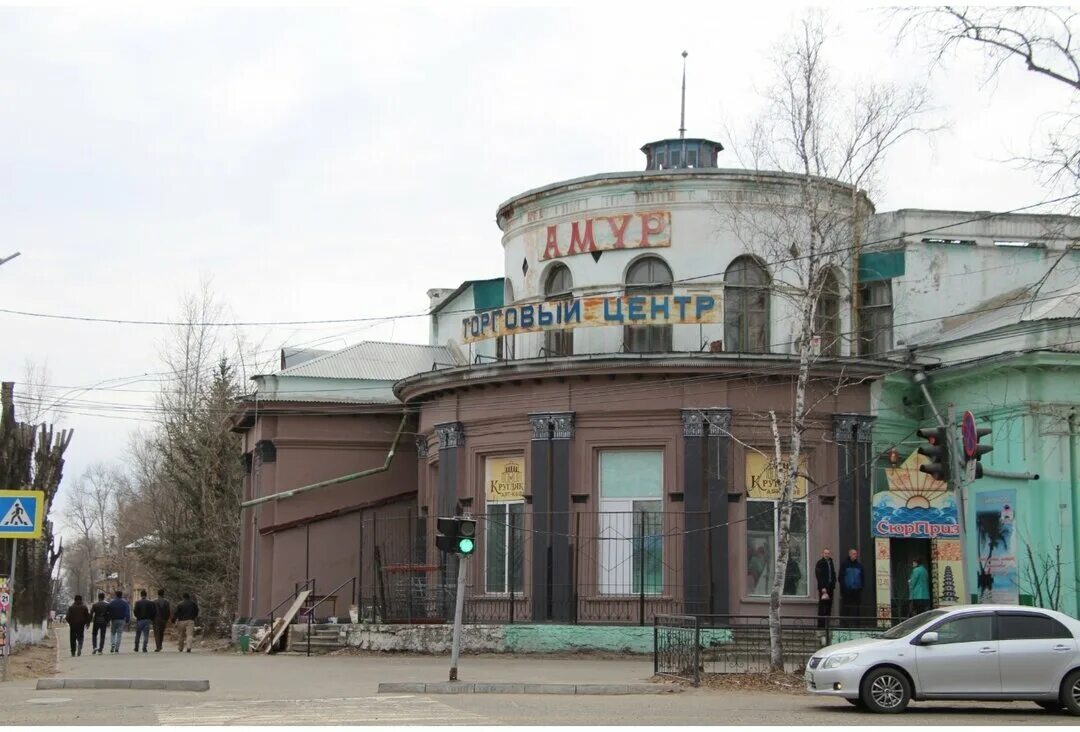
324 638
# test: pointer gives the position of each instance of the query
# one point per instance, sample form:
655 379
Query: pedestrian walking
119 614
852 581
919 587
825 572
78 617
145 612
187 611
99 618
161 619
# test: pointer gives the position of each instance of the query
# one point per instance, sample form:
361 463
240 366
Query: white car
969 652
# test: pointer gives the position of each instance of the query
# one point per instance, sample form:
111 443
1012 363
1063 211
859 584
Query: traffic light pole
459 607
958 483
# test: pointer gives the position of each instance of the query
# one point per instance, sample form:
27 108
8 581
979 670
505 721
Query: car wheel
1050 706
885 691
1070 693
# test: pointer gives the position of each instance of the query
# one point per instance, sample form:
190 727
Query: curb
457 687
156 684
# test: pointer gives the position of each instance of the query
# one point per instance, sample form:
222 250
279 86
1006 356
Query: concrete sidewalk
258 676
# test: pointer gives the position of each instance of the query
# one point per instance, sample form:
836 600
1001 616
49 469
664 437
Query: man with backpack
852 581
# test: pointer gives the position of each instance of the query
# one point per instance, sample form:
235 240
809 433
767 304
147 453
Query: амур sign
916 506
22 514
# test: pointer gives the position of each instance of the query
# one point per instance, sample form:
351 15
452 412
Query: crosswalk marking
404 709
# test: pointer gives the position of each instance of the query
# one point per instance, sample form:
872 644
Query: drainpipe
340 479
1074 479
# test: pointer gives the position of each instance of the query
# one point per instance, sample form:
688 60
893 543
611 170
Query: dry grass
36 661
783 683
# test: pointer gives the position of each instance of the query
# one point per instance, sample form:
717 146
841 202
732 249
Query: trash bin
245 643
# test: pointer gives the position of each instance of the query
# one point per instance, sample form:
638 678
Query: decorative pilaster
562 426
549 484
450 435
719 422
864 428
540 424
707 453
844 426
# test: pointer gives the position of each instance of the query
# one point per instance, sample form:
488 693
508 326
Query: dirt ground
35 662
778 682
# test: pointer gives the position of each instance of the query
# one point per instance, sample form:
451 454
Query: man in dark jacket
186 614
145 612
119 614
825 572
161 619
99 616
852 581
78 616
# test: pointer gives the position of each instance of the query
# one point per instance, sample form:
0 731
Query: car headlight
839 659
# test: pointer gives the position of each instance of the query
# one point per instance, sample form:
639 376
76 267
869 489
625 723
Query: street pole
9 643
459 607
959 485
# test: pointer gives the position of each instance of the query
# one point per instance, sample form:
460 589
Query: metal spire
682 113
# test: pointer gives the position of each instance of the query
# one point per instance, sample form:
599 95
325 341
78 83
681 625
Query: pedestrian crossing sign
21 514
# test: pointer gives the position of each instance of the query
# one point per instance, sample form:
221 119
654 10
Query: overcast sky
330 163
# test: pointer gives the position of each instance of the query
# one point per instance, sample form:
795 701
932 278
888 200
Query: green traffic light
466 545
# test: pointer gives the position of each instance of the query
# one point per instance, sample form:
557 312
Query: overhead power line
335 321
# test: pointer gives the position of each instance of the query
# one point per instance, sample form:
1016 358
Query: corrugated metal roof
374 360
1026 305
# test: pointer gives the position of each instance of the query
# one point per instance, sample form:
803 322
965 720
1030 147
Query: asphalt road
342 689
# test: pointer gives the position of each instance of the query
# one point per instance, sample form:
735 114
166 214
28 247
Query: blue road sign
21 514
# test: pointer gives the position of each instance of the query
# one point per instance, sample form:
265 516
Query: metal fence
686 646
611 567
622 567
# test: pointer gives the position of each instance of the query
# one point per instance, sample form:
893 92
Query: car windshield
899 631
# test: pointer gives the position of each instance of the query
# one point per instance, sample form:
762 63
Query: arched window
875 318
559 285
746 307
648 276
827 316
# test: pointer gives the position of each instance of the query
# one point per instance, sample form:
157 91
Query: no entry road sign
970 434
21 514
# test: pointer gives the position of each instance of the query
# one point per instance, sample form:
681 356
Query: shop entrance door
901 554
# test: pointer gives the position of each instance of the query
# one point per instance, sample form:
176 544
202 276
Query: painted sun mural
915 506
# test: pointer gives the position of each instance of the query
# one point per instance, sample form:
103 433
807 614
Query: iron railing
686 646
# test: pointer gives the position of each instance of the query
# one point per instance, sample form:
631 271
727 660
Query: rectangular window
631 522
504 527
762 530
875 318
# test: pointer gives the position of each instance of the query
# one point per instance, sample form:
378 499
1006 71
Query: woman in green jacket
919 587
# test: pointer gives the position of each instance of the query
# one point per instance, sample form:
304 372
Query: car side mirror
929 638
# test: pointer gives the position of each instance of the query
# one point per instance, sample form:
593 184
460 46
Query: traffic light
980 450
938 452
456 535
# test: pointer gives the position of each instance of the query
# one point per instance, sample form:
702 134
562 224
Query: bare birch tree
831 142
1044 40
